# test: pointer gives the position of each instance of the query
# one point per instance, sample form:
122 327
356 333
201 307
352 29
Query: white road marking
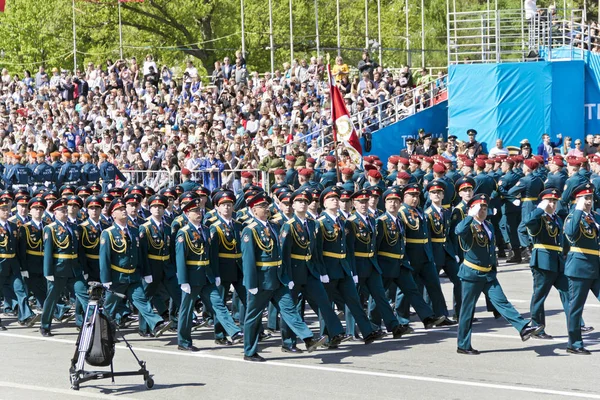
268 364
65 392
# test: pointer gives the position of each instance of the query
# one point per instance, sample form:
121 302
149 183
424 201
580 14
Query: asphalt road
423 365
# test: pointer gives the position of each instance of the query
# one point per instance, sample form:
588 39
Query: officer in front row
583 264
547 261
478 275
121 268
62 264
300 257
267 281
195 259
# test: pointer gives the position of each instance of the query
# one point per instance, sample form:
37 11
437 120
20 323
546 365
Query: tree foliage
33 32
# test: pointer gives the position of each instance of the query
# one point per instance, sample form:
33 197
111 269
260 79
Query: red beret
415 160
347 171
330 159
185 171
439 168
468 162
279 171
531 163
480 162
375 174
378 163
482 157
556 161
247 174
290 157
311 160
403 175
307 172
368 159
490 161
428 160
403 161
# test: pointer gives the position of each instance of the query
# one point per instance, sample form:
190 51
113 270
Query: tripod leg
112 372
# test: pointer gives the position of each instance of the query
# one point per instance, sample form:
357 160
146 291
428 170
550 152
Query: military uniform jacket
62 252
546 232
193 256
361 242
43 174
31 248
390 246
418 245
479 248
332 234
261 257
9 263
120 255
582 233
225 238
90 242
556 180
158 249
18 220
528 188
300 250
439 228
178 223
504 185
571 184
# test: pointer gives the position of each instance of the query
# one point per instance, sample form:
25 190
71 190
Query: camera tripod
77 373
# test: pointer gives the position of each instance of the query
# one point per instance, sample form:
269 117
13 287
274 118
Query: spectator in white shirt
499 150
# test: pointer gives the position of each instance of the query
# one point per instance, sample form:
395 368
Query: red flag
2 5
341 117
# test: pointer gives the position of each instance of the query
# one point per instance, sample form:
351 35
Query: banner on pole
2 5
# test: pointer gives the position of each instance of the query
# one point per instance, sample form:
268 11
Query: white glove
148 278
107 285
25 274
543 204
218 281
473 211
495 211
291 285
580 203
355 279
324 278
457 258
186 288
253 291
47 183
516 202
50 278
339 184
85 276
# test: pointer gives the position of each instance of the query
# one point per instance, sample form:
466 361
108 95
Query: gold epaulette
145 224
85 223
428 210
351 218
252 225
52 225
110 228
290 221
212 220
321 218
382 217
185 228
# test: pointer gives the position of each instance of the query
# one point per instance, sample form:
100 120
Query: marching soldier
298 247
420 257
478 275
157 247
583 264
121 269
341 287
62 264
267 281
196 264
109 173
90 238
547 261
43 174
444 256
362 237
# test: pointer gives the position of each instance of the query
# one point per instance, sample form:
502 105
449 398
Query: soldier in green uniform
157 247
90 238
197 271
121 268
444 255
329 177
62 264
267 281
341 288
478 275
298 247
270 163
225 235
420 256
547 261
31 256
361 241
187 183
582 266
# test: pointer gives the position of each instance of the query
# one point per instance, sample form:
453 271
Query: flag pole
120 32
334 131
74 40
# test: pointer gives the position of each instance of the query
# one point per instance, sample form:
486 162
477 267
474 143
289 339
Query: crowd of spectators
145 117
